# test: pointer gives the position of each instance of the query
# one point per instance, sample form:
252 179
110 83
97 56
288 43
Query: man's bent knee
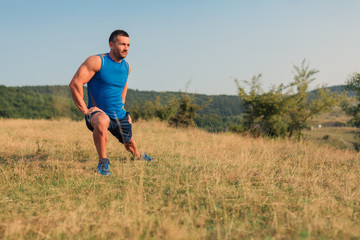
100 121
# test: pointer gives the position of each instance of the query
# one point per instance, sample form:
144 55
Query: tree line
213 113
282 111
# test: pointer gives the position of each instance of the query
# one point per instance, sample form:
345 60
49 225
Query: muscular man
106 77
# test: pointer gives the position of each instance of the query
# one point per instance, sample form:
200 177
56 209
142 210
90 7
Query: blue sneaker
146 157
103 167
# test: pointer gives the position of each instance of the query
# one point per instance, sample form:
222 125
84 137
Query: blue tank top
106 87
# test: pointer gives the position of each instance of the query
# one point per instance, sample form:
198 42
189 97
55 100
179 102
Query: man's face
120 48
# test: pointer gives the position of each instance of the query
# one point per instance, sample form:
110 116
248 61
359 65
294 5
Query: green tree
353 109
161 109
165 111
264 111
299 107
142 110
283 110
185 113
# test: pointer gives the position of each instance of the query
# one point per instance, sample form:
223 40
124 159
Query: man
106 77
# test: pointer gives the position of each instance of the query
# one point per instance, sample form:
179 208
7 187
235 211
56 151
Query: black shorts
120 128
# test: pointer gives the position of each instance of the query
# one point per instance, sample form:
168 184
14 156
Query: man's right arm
83 75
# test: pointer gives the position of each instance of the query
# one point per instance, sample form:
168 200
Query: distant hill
56 102
340 89
36 102
223 105
47 102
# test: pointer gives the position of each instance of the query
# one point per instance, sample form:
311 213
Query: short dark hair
116 33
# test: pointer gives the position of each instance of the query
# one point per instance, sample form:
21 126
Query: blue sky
209 43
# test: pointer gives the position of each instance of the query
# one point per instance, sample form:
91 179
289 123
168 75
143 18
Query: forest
218 112
284 110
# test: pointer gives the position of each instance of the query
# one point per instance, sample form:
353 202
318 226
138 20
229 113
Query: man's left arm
123 95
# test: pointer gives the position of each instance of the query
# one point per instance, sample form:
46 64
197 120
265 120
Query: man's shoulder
98 57
94 62
102 56
94 58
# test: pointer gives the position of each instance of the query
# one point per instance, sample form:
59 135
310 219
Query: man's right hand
93 109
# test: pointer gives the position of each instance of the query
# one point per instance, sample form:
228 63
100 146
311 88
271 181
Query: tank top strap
102 56
127 66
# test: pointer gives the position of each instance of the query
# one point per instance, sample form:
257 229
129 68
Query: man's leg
100 123
122 130
131 147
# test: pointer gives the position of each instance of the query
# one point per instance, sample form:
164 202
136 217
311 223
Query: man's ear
111 45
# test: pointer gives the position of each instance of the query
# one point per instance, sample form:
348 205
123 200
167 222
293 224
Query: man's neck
114 58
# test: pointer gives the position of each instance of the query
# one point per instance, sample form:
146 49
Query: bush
186 112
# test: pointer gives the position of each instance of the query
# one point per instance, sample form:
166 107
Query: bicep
87 70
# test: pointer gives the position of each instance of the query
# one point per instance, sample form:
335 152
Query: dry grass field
330 119
333 131
201 186
339 137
